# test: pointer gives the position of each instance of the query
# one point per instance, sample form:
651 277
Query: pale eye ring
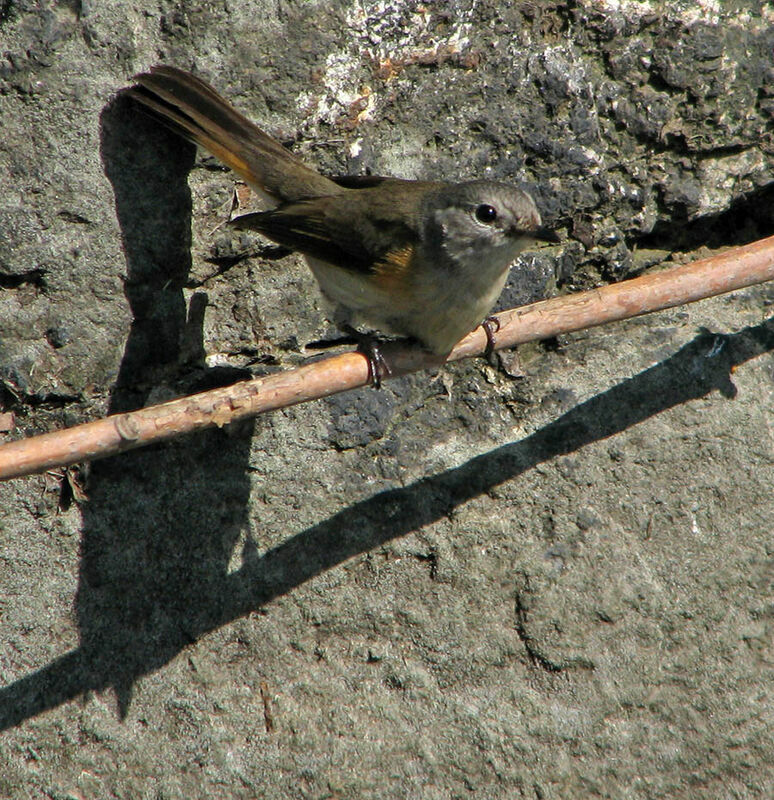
485 213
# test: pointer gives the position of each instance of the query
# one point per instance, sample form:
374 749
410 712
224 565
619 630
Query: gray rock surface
544 577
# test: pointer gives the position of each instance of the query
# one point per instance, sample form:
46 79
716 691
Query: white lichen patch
637 8
712 12
385 37
728 177
338 94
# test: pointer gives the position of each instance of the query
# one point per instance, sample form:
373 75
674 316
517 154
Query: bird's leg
490 325
367 344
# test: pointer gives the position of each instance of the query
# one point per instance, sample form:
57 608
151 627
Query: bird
420 259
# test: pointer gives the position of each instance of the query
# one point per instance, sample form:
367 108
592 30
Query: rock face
548 577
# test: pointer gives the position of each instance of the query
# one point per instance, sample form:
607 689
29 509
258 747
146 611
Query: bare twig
733 269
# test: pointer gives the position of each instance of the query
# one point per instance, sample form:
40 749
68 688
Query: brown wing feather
302 230
360 232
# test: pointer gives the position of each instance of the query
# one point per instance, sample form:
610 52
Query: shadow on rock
161 526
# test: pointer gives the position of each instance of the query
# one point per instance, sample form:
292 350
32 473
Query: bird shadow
168 591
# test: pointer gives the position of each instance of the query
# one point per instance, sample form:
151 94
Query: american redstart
423 259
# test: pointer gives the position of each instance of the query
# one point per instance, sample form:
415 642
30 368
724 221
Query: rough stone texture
541 578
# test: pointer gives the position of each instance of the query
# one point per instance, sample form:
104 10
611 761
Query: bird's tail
196 111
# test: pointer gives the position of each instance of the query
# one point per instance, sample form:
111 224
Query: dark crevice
12 399
722 150
71 216
75 6
431 559
748 218
533 653
7 11
657 82
676 142
34 277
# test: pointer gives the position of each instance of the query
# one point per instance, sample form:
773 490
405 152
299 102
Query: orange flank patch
391 272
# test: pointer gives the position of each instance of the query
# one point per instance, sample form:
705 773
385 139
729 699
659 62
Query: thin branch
733 269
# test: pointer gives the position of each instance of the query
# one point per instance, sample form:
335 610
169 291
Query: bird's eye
486 214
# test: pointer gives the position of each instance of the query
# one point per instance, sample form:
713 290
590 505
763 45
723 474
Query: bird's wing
364 231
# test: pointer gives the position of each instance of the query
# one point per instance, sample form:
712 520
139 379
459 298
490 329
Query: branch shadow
126 647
